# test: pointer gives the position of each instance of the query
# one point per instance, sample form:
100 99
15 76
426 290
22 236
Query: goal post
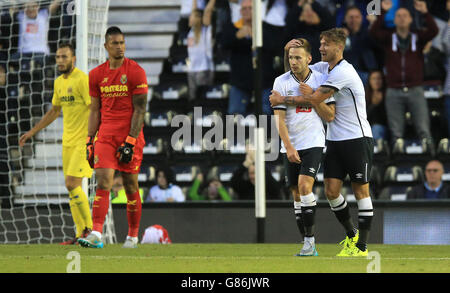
33 195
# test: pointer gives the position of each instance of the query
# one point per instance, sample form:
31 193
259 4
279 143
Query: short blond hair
336 35
303 44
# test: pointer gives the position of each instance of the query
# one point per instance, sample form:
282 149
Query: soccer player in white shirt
303 138
349 138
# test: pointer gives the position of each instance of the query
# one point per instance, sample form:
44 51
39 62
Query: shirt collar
431 189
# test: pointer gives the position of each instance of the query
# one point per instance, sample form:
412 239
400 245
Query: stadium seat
170 91
381 148
394 193
412 147
185 173
403 174
161 119
155 146
217 91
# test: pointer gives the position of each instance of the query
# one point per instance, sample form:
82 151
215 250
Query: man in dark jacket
243 181
404 63
433 187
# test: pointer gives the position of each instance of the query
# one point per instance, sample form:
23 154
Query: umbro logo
359 175
312 170
290 93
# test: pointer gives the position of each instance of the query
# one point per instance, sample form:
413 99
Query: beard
66 70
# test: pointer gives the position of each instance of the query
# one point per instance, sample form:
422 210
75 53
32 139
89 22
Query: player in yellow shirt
71 95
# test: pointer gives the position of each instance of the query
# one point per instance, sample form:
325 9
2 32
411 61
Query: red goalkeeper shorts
105 150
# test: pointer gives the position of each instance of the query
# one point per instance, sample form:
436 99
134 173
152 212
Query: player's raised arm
48 118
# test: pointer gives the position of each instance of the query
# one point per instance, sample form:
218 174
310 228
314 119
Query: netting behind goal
34 200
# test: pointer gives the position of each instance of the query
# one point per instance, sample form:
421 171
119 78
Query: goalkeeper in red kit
118 90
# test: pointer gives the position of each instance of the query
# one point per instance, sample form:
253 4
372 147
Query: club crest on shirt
69 90
123 79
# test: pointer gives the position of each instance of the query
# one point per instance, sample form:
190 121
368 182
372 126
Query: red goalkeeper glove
90 151
126 150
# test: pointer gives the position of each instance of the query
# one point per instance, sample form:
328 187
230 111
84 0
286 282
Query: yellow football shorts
74 161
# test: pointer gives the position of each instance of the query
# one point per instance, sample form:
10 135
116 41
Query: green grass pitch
220 258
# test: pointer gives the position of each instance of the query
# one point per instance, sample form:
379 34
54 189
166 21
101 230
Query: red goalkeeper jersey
115 89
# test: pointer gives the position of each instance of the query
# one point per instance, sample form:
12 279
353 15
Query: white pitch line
225 257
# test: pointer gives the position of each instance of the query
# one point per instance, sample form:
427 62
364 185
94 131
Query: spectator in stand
118 194
212 189
433 187
32 30
359 47
404 66
344 7
307 20
446 48
274 24
243 180
199 43
165 190
237 38
376 111
185 14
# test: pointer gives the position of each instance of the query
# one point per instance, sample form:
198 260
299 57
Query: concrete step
139 54
146 28
144 15
47 150
149 42
40 190
152 68
40 163
143 3
49 136
44 178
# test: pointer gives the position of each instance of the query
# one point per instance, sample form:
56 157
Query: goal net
33 198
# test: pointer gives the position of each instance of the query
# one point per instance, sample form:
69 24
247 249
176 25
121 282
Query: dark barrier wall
234 222
419 222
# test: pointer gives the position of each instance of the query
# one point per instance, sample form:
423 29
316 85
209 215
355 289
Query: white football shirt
350 120
305 127
200 54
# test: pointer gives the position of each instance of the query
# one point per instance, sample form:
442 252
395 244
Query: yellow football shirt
72 94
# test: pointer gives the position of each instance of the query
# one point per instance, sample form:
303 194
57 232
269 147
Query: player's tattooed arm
326 112
94 116
137 120
317 97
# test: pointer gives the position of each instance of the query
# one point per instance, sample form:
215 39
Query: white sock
308 200
98 234
338 203
365 207
134 239
311 240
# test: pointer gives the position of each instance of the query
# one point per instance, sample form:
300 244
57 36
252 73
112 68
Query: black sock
299 220
308 215
364 224
343 216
